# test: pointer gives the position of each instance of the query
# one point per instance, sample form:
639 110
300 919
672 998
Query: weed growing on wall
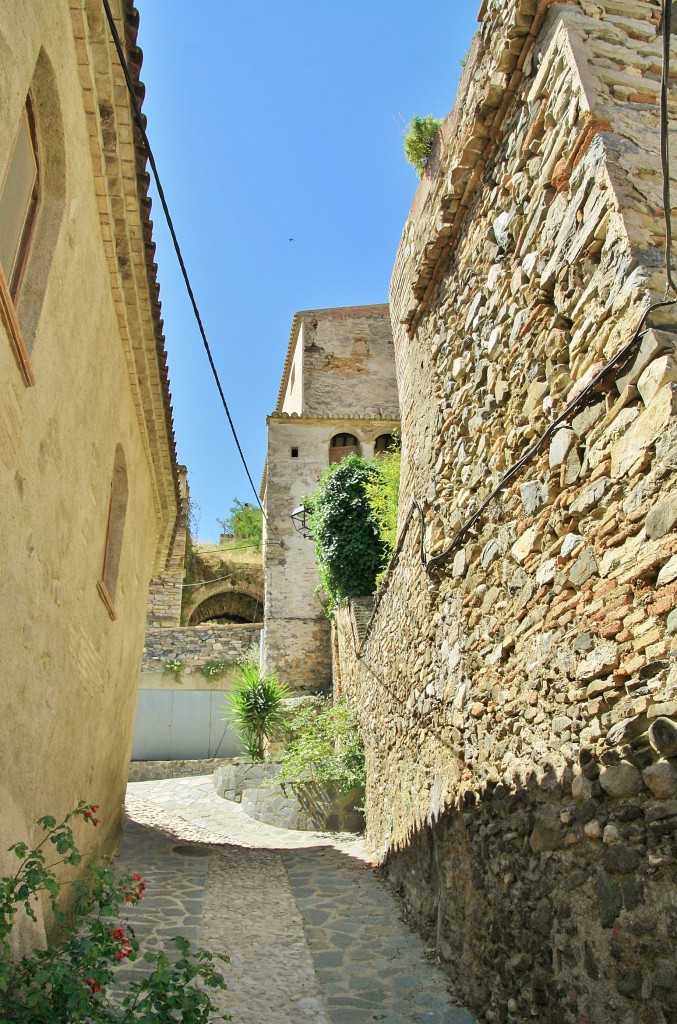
323 744
348 543
173 667
66 982
419 140
216 669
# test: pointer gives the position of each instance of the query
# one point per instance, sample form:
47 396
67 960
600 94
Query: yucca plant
254 707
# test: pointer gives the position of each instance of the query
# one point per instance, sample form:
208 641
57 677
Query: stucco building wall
70 669
339 378
516 701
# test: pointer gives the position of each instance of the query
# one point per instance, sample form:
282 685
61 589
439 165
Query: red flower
120 955
93 984
119 933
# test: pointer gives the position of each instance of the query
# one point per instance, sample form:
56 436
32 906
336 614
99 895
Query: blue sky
272 121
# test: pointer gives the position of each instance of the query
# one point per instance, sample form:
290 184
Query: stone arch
228 606
384 443
341 445
237 599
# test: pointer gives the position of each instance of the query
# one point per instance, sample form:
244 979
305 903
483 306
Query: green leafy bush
382 491
419 139
255 707
348 544
323 744
66 982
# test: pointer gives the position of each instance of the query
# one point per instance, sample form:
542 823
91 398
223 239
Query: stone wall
195 646
515 699
236 593
151 771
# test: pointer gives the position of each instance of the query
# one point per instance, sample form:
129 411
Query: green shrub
382 491
419 139
255 707
245 522
323 744
348 545
66 982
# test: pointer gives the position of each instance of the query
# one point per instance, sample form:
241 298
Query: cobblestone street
312 934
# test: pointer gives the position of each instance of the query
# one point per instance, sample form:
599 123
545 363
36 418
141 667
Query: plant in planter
66 982
255 707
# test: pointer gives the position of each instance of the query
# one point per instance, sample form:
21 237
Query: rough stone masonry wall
194 646
505 701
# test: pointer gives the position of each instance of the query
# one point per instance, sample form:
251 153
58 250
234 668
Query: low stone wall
149 771
308 806
233 777
196 645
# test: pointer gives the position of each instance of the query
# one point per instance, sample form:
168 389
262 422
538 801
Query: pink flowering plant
67 982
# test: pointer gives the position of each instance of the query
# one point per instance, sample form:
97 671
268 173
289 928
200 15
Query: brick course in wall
517 704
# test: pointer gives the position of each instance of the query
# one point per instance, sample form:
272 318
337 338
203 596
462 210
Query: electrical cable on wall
177 248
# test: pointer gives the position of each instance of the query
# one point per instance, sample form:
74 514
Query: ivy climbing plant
348 544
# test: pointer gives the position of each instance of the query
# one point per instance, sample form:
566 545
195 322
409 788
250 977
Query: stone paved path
312 935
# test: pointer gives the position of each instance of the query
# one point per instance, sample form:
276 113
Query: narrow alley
312 934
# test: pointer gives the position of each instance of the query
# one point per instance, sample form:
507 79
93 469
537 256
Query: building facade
338 395
87 460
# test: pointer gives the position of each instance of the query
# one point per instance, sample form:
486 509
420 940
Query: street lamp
299 518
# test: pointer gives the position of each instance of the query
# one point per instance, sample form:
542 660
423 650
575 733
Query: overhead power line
177 248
